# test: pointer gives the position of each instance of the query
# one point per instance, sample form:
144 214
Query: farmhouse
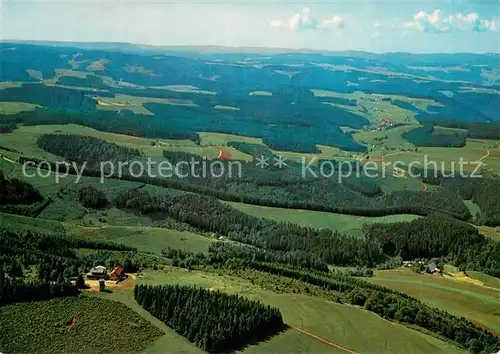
431 268
98 272
117 274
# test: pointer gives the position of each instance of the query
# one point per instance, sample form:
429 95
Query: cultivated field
75 324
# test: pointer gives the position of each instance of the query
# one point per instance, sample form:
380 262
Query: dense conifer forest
214 321
439 236
15 191
483 192
91 197
425 136
81 149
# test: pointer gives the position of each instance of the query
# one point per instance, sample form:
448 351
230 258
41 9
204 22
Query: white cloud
276 23
304 21
335 22
435 22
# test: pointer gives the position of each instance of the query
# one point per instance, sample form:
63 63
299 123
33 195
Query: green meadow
455 294
350 224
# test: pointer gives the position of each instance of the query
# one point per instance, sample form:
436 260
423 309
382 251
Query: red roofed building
117 273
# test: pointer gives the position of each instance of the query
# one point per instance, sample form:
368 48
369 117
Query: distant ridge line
214 49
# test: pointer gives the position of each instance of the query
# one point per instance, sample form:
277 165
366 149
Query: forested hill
268 97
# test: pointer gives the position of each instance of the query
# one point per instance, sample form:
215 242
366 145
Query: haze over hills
214 49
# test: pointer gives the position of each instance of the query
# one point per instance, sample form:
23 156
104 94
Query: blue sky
377 26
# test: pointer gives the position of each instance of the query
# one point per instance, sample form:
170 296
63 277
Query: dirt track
128 284
326 341
7 159
485 156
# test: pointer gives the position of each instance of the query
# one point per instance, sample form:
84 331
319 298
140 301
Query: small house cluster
384 123
433 269
100 272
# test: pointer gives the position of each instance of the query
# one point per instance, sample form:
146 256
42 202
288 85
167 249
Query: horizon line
251 49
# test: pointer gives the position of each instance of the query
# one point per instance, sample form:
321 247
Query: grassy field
146 239
378 109
24 138
448 131
485 279
46 185
136 103
9 84
138 234
453 293
473 207
221 140
74 325
16 107
50 185
392 139
184 88
18 222
492 232
349 224
65 72
342 325
443 158
109 223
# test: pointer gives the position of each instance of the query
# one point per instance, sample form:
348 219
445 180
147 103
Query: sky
376 26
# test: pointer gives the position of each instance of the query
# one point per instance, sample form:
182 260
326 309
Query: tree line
214 321
475 130
16 191
481 191
124 122
85 149
426 136
91 197
298 245
221 252
438 236
286 188
210 215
